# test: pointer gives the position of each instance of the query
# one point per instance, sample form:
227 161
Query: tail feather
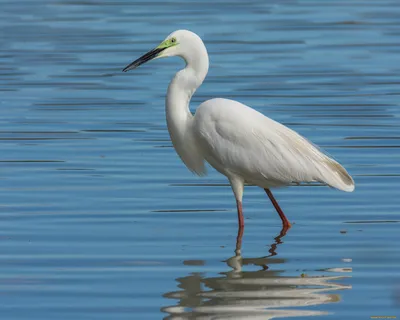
337 176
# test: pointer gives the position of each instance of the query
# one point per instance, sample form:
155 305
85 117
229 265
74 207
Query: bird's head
179 43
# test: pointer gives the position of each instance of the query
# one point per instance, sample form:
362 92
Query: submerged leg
285 221
239 241
240 214
237 187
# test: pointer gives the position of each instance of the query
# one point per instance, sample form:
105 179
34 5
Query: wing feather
239 140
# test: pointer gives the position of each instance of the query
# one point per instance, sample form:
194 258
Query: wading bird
238 141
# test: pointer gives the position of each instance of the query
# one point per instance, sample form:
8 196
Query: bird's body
238 141
242 143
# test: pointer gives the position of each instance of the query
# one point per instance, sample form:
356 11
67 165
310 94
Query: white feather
240 141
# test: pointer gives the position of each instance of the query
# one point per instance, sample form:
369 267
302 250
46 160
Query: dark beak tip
128 67
143 59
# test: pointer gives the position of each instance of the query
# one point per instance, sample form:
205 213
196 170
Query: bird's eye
173 40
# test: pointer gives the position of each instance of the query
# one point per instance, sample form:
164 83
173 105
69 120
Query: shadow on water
261 294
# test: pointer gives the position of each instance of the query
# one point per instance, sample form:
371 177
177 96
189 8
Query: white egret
238 141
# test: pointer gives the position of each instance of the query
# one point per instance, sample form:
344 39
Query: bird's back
238 140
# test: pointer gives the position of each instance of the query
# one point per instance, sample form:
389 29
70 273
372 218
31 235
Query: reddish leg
285 221
239 241
240 214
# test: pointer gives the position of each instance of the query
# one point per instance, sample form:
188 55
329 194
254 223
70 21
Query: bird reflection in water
261 294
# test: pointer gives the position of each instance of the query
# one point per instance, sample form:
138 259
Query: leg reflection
278 240
236 262
253 293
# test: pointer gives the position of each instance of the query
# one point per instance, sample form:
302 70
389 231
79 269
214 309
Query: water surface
100 219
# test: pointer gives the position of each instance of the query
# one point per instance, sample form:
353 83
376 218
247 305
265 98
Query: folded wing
239 140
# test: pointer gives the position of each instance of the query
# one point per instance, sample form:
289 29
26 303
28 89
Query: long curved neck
179 118
181 89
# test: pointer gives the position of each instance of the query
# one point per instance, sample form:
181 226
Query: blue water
100 219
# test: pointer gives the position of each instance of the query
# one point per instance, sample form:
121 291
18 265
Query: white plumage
238 141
